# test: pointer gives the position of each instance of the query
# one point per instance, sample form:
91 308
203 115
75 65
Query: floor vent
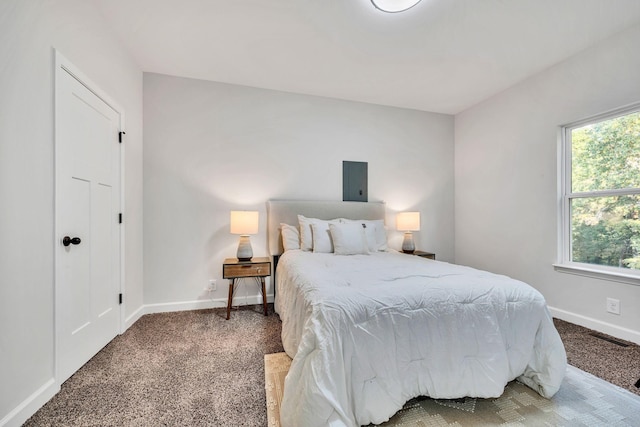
611 340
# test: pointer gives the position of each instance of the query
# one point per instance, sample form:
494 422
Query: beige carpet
612 359
583 400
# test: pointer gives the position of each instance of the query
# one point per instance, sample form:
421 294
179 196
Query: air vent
611 340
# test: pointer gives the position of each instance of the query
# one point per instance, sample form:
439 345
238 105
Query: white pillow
375 232
306 238
349 238
322 242
306 234
290 237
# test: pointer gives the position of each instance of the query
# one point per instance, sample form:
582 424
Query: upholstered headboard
287 211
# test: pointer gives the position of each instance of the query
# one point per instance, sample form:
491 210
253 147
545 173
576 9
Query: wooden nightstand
257 268
423 254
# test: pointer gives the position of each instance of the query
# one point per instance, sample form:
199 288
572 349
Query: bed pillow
348 238
322 242
306 236
290 237
375 232
306 233
381 236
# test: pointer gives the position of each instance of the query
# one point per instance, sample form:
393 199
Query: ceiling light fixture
393 6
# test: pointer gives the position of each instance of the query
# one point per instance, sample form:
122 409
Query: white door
88 239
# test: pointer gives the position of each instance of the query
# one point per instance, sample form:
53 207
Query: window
600 210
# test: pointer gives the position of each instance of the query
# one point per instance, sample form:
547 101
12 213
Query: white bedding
369 332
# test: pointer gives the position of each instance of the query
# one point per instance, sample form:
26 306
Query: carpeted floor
191 368
605 359
197 369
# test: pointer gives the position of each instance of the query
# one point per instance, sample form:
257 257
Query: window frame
565 195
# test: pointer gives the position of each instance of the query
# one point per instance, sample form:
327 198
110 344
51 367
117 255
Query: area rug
583 400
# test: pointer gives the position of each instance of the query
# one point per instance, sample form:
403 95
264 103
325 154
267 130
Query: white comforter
369 332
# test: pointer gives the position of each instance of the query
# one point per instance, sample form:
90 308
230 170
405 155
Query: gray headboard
286 211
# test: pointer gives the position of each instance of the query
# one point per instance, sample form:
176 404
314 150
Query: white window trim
564 264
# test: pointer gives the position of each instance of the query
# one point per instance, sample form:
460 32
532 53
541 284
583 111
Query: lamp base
408 247
245 252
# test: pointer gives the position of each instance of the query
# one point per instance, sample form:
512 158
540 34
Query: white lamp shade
394 5
408 221
244 222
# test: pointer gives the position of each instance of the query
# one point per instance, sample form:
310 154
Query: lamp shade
408 221
244 222
394 5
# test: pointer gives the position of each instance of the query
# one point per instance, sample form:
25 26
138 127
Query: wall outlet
613 306
212 285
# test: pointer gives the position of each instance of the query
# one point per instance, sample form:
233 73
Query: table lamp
408 222
244 223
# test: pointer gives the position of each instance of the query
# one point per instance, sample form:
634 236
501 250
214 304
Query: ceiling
441 55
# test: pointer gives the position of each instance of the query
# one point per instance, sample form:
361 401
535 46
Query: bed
369 331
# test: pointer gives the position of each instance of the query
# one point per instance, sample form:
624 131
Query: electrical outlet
212 285
613 306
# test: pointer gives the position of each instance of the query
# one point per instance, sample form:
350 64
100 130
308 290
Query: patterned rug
583 400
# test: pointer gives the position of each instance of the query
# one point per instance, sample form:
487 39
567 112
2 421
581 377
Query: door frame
63 65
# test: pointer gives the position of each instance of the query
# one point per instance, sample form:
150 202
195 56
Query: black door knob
66 241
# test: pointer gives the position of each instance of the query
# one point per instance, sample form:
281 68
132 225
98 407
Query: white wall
211 148
29 30
506 179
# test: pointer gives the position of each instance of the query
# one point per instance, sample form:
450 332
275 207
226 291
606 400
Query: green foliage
606 156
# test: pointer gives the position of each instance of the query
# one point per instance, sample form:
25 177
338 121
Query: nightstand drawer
428 255
423 254
261 269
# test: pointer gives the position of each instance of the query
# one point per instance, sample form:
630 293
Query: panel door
87 208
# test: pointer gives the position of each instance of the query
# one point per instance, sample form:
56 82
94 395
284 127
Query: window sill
598 273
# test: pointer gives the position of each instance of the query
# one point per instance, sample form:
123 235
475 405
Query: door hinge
120 299
120 218
120 136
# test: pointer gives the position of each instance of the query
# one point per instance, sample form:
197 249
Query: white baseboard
202 304
597 325
166 307
30 405
133 318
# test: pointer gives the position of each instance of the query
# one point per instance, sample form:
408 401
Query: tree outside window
602 195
